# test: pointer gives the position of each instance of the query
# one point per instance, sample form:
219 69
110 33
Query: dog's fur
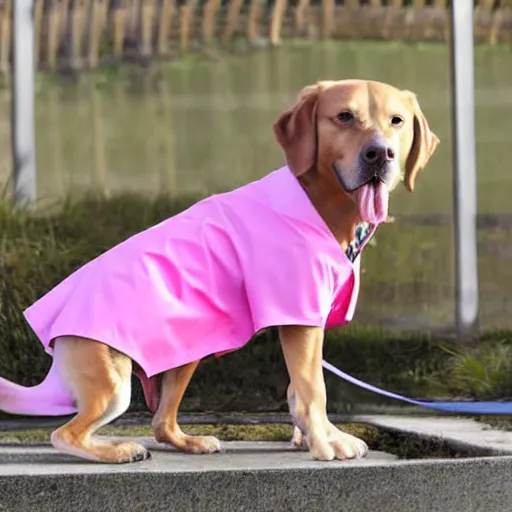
329 155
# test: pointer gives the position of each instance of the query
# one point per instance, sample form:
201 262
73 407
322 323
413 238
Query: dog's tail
50 398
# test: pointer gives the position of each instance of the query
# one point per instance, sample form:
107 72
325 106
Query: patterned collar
364 233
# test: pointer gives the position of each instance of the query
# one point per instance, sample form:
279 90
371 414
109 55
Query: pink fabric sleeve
298 290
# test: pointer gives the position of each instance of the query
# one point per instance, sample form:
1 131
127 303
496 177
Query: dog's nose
378 154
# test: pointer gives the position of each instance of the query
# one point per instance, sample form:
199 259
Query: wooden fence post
64 13
328 13
134 11
233 14
147 18
414 26
53 34
5 35
97 24
119 20
441 18
300 16
349 20
186 23
391 18
78 24
210 9
501 16
254 20
38 21
277 21
167 12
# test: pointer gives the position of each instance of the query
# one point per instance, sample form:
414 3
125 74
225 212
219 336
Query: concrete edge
458 432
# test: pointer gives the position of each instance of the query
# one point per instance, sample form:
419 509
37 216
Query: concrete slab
457 431
236 456
261 476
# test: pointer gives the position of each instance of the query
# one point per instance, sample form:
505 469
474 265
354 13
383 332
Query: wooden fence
77 34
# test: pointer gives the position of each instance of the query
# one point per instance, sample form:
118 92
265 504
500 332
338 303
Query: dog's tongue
373 202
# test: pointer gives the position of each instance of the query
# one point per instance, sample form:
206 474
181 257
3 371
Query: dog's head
360 136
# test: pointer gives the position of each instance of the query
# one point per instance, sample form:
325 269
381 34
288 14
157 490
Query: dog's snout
378 154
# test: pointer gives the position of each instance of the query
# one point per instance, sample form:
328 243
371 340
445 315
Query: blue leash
497 408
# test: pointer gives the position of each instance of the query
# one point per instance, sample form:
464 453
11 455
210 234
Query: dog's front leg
302 347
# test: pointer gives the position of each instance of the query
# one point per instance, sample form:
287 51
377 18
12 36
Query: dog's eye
345 117
396 121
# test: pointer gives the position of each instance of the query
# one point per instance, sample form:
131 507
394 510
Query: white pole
23 130
464 164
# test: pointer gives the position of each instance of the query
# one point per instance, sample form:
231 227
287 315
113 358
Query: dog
273 253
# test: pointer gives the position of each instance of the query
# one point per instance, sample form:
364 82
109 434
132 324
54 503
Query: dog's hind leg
100 380
165 422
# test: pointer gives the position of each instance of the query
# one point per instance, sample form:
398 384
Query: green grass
223 432
484 371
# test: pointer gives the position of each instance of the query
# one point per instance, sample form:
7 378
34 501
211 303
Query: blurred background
177 98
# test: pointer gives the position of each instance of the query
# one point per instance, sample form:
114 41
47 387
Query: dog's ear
295 131
423 146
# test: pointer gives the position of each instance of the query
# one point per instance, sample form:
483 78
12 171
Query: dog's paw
321 449
346 446
202 444
298 441
131 452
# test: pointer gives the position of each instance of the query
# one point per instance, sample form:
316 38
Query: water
206 126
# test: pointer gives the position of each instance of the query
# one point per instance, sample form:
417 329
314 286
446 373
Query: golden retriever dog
204 281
